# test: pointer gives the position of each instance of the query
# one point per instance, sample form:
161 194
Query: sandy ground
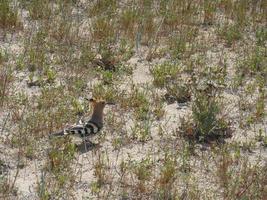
28 176
26 181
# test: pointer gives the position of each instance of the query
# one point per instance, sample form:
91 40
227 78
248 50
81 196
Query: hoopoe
89 128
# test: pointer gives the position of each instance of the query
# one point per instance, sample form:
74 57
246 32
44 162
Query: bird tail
58 134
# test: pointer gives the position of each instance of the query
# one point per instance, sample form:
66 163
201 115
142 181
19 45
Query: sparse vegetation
9 18
188 83
230 33
164 73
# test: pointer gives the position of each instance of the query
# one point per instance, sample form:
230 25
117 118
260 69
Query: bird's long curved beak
110 103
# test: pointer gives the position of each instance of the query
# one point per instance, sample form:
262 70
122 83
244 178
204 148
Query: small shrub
128 22
167 177
6 189
8 17
103 30
178 91
253 64
87 55
108 92
205 111
177 46
230 33
104 7
206 124
260 104
107 77
141 131
5 84
148 28
261 36
100 170
239 179
7 184
180 43
58 171
138 100
39 9
142 169
209 11
164 73
158 106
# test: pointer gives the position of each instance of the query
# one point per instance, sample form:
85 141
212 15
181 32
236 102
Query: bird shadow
86 146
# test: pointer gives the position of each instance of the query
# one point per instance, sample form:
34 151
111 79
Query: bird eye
91 100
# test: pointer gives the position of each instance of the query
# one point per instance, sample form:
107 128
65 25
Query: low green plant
127 21
107 77
36 59
77 106
158 106
261 36
177 45
164 73
209 11
167 176
260 104
107 92
50 75
138 100
4 56
206 112
262 137
30 150
230 33
142 171
181 43
100 170
253 64
76 84
178 91
141 131
241 10
39 9
105 7
9 18
5 83
125 52
6 188
58 170
103 30
207 123
87 55
247 184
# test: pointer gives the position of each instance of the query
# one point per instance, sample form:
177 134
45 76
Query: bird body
90 128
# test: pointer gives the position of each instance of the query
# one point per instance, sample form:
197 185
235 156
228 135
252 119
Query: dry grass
188 79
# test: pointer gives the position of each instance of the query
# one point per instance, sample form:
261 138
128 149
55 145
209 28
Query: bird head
97 104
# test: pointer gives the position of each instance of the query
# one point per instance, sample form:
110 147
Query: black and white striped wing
77 129
94 128
82 130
